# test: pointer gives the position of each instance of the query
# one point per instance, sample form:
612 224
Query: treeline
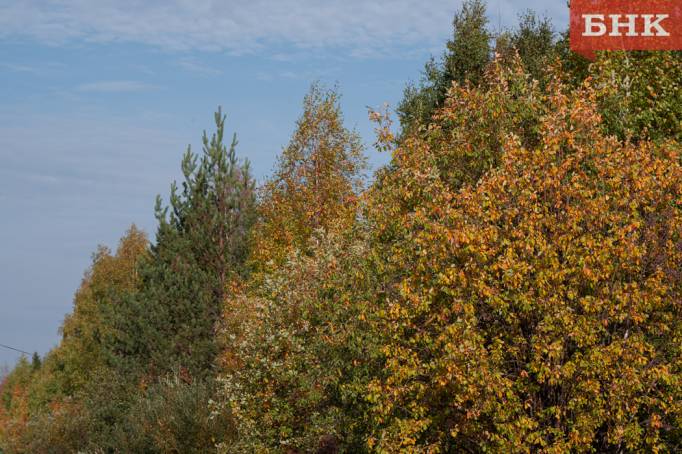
510 282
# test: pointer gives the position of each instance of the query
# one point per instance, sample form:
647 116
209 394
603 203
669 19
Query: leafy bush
640 94
301 361
536 308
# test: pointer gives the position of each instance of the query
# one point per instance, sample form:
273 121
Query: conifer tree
201 246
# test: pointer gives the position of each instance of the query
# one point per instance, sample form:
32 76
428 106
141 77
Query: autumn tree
535 307
14 405
290 333
87 331
315 184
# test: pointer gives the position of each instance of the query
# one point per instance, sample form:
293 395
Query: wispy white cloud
115 86
195 66
297 74
18 68
244 26
42 68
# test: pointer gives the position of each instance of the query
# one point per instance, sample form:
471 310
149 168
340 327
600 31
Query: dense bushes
540 308
174 416
304 355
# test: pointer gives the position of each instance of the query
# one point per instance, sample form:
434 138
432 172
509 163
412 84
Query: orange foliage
537 304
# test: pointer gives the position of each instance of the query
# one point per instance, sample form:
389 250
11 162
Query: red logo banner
625 25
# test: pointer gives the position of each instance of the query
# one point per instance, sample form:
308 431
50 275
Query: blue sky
98 100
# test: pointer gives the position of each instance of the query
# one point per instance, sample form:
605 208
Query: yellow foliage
315 185
536 304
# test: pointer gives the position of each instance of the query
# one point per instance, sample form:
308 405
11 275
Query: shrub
536 307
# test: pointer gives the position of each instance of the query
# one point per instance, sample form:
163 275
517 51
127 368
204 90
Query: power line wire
15 349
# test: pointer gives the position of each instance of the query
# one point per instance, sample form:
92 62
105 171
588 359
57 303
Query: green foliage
111 416
173 416
87 421
535 43
87 332
640 94
301 360
468 52
465 60
18 378
201 246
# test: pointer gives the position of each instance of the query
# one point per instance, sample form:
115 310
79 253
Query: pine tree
201 246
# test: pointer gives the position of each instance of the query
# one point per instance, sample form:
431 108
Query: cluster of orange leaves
538 291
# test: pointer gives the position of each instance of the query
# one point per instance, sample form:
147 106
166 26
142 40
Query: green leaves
640 94
465 61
